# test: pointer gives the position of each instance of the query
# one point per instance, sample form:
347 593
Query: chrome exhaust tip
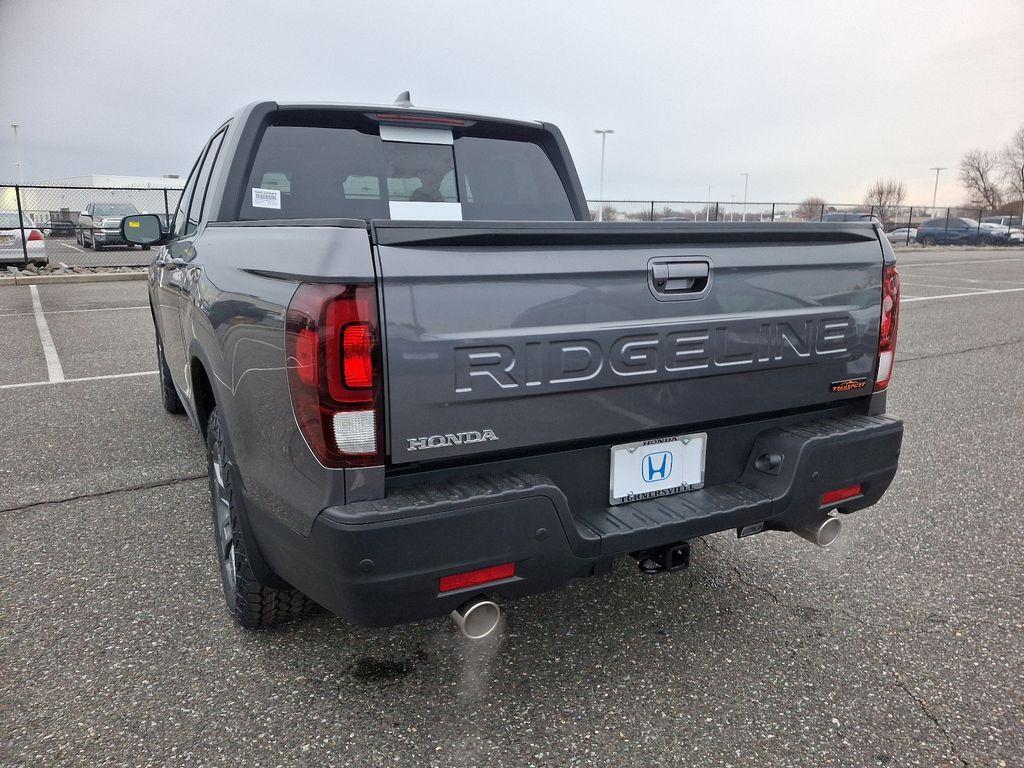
823 533
477 618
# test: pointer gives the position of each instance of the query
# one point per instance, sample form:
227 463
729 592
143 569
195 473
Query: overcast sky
810 98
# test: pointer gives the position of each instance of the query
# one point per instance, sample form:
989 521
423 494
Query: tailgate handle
680 276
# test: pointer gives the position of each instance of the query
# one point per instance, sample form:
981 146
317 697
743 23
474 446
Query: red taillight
476 578
35 234
840 494
307 368
334 372
887 328
356 344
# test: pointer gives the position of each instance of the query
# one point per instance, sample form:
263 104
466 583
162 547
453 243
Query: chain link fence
80 226
76 226
938 225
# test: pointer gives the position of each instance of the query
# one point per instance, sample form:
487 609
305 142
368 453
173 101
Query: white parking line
83 378
946 263
958 295
70 311
53 368
75 247
959 279
937 285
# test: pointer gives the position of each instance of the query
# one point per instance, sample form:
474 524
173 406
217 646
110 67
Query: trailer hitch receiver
667 558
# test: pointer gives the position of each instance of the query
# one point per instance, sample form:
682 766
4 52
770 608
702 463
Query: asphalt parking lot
67 250
901 646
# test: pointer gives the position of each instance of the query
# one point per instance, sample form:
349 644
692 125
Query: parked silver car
903 235
11 240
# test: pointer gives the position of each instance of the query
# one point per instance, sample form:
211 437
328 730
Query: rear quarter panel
235 327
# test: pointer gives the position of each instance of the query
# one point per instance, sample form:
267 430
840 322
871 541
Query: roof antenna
403 100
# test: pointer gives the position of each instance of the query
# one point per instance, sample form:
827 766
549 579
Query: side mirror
142 229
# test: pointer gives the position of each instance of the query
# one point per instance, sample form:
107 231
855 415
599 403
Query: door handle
674 277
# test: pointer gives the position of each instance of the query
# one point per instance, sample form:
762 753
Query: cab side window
181 215
195 210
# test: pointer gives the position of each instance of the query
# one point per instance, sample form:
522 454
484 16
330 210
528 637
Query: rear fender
221 396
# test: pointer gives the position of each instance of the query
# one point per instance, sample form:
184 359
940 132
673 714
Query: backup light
355 431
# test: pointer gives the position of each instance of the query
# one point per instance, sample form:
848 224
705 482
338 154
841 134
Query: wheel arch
203 398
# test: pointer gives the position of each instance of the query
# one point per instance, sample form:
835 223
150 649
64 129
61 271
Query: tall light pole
935 192
732 205
17 153
707 217
604 135
746 178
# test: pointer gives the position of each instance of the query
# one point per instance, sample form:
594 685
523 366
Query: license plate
659 467
6 239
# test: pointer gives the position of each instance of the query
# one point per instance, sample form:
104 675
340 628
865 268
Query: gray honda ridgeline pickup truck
427 381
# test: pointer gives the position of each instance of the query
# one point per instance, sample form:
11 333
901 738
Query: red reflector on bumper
477 577
840 494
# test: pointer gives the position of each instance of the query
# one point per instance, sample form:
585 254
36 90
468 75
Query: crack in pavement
923 706
920 702
994 345
911 623
99 494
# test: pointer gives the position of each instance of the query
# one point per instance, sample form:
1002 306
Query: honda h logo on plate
657 466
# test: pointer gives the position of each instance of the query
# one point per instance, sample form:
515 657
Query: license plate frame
684 473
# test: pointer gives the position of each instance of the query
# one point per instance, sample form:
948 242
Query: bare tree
978 169
884 197
1012 161
810 208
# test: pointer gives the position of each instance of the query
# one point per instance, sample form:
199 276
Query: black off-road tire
928 240
251 602
168 395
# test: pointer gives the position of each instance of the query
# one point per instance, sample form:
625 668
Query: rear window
345 172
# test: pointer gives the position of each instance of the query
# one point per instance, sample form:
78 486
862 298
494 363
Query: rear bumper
378 562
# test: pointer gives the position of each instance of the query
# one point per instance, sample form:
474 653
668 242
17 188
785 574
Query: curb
91 277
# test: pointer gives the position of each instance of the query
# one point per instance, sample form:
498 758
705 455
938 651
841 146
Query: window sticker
416 211
266 198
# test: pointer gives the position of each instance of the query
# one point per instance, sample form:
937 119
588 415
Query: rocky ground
60 268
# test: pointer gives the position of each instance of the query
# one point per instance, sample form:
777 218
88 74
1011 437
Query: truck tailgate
503 336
